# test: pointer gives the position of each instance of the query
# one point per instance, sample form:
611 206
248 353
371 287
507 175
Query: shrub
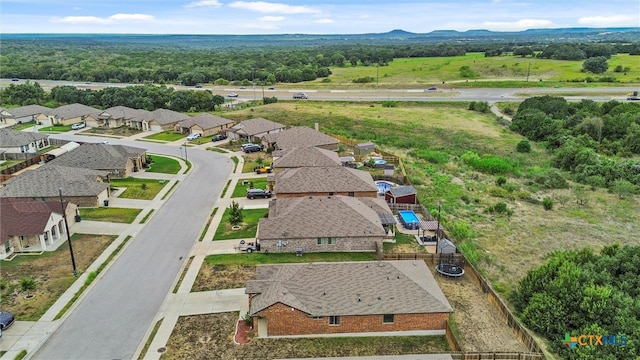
547 203
498 208
465 198
501 180
523 147
27 284
364 80
480 106
143 186
460 230
390 104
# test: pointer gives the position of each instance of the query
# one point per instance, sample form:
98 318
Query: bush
269 100
523 147
27 284
501 180
498 208
364 80
460 230
390 104
547 203
480 106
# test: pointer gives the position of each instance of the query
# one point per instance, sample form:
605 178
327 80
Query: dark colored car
6 320
433 88
15 79
258 193
252 148
218 137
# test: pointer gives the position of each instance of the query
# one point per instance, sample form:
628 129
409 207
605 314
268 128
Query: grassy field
502 71
110 214
163 164
248 228
241 190
432 139
141 189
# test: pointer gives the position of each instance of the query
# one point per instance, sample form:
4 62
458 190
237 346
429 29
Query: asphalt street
111 321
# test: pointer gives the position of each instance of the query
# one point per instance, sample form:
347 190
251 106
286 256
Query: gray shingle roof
402 191
300 136
25 216
74 110
323 180
28 110
255 126
349 288
47 180
206 121
308 216
127 113
305 157
165 116
99 156
13 138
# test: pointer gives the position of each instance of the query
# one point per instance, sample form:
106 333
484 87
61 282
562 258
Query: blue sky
310 16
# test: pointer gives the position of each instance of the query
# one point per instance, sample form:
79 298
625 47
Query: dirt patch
219 277
50 274
480 326
211 336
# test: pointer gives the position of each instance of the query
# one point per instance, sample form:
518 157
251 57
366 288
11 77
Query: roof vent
324 293
359 299
379 297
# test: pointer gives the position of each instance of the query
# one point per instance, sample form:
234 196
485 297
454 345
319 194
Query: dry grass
218 277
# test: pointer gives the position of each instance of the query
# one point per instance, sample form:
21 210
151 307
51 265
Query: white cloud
614 20
211 3
324 21
269 8
98 20
523 24
272 18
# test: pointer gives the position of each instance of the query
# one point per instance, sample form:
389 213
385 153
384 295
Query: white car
193 136
232 95
78 126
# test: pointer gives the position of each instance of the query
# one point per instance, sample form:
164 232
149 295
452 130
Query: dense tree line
148 97
153 63
581 293
588 139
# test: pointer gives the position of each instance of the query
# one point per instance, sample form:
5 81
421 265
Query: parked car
6 320
78 126
198 86
258 193
272 88
232 95
261 169
193 136
15 79
218 137
246 144
242 87
252 148
248 246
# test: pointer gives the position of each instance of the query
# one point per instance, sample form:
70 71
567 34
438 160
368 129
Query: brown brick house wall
281 320
372 194
311 245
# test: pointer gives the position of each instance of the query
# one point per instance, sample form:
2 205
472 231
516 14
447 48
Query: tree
523 51
235 214
623 188
523 147
596 65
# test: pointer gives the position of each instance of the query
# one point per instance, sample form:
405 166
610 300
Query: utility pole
66 225
528 71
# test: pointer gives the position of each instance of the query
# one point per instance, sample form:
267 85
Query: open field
431 138
51 273
500 71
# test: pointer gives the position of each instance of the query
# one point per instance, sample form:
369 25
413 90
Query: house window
351 193
317 317
326 240
387 318
332 241
334 320
331 193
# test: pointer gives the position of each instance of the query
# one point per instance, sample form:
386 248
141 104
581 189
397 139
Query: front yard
163 164
110 214
248 228
244 184
123 131
141 189
168 136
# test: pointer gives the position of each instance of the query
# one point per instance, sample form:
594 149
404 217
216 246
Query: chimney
317 127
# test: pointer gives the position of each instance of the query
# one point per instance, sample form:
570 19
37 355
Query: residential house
119 160
401 195
323 181
117 116
81 187
253 129
164 119
22 142
205 124
347 297
28 225
76 113
323 224
298 157
25 114
300 136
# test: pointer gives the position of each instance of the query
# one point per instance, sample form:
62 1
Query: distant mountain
626 34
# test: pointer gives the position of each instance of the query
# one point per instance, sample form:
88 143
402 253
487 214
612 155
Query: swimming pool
409 219
383 186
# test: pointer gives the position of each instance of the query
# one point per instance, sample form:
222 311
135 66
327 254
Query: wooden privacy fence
21 165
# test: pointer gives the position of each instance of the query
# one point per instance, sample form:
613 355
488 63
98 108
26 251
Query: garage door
156 128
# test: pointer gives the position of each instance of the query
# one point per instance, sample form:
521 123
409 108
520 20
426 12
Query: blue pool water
409 219
383 186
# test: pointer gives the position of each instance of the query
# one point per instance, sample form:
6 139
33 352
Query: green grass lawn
56 128
249 225
241 190
163 164
168 135
251 162
110 214
256 258
141 189
501 71
23 126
